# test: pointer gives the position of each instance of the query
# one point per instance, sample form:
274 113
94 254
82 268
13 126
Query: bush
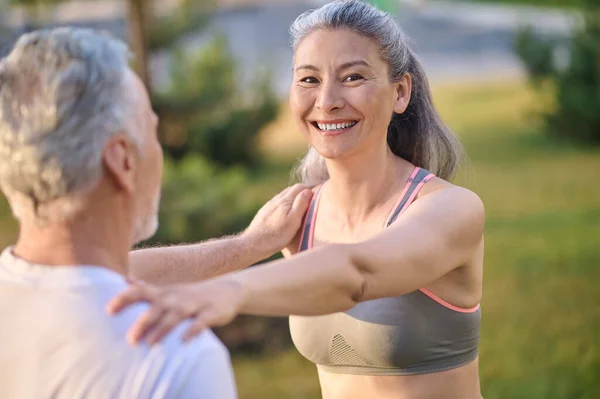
200 201
202 112
575 82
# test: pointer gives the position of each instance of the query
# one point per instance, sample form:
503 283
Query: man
81 166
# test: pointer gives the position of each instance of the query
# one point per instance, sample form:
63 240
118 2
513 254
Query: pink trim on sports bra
447 304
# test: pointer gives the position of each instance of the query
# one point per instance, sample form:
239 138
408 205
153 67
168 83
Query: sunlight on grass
288 376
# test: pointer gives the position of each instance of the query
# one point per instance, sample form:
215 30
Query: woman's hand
279 220
211 303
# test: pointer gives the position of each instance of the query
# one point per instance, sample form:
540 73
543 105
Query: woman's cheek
300 110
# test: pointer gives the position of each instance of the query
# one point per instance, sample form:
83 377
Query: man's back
58 342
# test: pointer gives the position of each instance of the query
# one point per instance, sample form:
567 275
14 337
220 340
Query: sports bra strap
309 222
414 184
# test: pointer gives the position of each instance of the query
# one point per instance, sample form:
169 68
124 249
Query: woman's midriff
458 383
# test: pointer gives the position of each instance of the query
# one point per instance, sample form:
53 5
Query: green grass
541 304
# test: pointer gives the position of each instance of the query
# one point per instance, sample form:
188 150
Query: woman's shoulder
451 207
451 194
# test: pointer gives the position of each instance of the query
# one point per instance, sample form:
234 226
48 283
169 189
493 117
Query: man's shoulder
112 329
72 323
172 363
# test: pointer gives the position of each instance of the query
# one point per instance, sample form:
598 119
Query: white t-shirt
56 341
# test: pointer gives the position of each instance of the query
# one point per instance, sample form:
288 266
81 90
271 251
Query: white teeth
338 126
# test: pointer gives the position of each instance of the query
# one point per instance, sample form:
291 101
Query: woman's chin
333 154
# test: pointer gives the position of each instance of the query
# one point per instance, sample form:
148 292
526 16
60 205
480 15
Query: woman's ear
403 90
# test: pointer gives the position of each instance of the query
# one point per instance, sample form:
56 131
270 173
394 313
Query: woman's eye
309 80
353 78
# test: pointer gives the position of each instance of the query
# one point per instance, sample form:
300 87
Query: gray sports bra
415 333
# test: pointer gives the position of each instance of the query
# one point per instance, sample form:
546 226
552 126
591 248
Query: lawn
541 305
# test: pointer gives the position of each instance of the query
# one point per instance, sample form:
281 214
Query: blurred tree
574 75
200 111
204 112
202 201
139 13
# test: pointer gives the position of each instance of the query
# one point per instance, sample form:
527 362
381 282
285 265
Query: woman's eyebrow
346 65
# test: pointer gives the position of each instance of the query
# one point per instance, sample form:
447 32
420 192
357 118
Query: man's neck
70 244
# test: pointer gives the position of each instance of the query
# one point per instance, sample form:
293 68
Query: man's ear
403 93
120 161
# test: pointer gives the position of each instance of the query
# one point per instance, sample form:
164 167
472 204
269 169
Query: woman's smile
334 127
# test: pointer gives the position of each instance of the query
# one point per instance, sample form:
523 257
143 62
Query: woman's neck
358 185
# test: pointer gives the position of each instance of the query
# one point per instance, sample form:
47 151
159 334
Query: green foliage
210 137
234 139
202 112
200 201
166 30
536 54
576 85
208 75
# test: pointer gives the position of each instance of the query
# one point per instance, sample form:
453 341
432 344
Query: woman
385 292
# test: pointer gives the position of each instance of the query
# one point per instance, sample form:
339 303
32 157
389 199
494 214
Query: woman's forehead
340 46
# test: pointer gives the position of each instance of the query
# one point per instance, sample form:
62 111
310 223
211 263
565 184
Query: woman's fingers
143 325
135 293
166 324
210 316
170 306
195 328
291 192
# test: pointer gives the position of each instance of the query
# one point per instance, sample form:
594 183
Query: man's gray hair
62 97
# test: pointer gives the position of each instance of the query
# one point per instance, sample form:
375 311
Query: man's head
77 131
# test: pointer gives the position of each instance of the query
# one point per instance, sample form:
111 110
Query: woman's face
341 96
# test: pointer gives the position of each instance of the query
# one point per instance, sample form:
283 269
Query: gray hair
418 135
61 97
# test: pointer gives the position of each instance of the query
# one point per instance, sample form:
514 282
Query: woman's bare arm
437 234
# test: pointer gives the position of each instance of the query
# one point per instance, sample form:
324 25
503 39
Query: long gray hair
418 135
